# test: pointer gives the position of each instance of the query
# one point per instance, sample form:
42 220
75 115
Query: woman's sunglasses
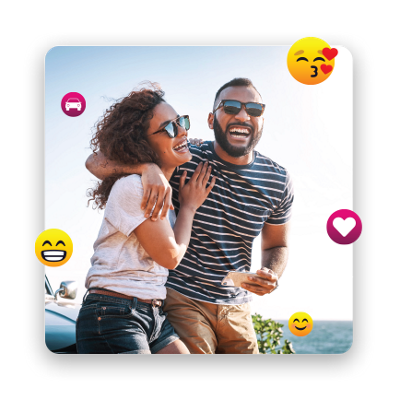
172 127
233 107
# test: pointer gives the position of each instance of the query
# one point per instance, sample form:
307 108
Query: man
252 194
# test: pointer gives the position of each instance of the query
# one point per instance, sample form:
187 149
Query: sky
307 129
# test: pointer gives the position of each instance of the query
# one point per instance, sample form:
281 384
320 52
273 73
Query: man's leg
194 322
235 331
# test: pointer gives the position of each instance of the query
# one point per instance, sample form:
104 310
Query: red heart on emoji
330 54
326 68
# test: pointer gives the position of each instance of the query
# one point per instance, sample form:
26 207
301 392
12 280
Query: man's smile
239 132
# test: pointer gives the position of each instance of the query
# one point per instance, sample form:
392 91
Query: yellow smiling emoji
300 324
311 60
53 247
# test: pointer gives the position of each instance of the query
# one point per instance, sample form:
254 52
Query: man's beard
234 151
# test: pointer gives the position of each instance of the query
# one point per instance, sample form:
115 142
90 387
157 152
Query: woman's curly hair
121 136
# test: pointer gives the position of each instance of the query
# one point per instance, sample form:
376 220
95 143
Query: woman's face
169 150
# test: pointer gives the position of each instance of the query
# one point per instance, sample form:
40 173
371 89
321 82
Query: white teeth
181 146
53 258
239 130
53 253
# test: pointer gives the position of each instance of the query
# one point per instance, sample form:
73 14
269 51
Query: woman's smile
182 147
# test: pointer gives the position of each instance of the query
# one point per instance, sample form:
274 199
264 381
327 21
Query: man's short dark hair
235 82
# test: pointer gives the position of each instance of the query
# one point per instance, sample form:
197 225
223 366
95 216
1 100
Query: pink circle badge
344 226
73 104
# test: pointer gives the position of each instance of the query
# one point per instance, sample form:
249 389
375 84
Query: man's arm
274 257
101 167
156 188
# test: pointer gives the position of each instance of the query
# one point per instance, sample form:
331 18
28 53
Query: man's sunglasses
233 107
172 127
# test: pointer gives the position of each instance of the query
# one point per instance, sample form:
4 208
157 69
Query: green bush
269 335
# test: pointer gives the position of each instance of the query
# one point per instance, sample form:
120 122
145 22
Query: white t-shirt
119 262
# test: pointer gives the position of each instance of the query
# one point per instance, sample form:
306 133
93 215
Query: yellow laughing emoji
53 247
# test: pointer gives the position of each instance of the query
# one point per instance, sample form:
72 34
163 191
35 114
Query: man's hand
265 283
156 190
274 256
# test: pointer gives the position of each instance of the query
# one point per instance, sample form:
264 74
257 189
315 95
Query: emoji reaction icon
73 104
344 226
300 324
53 247
311 60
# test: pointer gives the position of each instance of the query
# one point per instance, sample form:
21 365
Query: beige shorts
208 328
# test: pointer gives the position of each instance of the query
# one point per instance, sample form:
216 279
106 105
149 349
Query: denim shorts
112 325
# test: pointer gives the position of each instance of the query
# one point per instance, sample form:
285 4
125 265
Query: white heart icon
344 226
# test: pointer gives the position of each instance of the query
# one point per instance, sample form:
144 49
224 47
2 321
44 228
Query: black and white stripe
244 198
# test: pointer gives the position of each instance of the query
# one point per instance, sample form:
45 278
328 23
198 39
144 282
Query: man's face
237 134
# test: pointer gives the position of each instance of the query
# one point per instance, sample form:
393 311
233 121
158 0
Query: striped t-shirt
244 198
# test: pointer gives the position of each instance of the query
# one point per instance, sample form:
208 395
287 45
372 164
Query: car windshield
47 286
73 101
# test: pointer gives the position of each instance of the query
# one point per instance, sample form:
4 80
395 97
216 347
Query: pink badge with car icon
73 104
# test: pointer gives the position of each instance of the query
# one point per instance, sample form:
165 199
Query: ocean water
327 337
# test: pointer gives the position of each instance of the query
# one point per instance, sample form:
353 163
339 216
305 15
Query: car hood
60 319
67 309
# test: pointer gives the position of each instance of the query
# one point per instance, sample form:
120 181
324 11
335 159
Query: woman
122 310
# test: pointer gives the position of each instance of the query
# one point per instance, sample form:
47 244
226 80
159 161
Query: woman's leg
176 347
111 325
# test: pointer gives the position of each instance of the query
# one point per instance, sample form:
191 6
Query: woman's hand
156 190
193 194
196 142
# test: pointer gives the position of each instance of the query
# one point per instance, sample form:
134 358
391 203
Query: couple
217 220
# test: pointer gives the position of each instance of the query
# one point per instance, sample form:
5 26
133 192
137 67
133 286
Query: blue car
60 317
